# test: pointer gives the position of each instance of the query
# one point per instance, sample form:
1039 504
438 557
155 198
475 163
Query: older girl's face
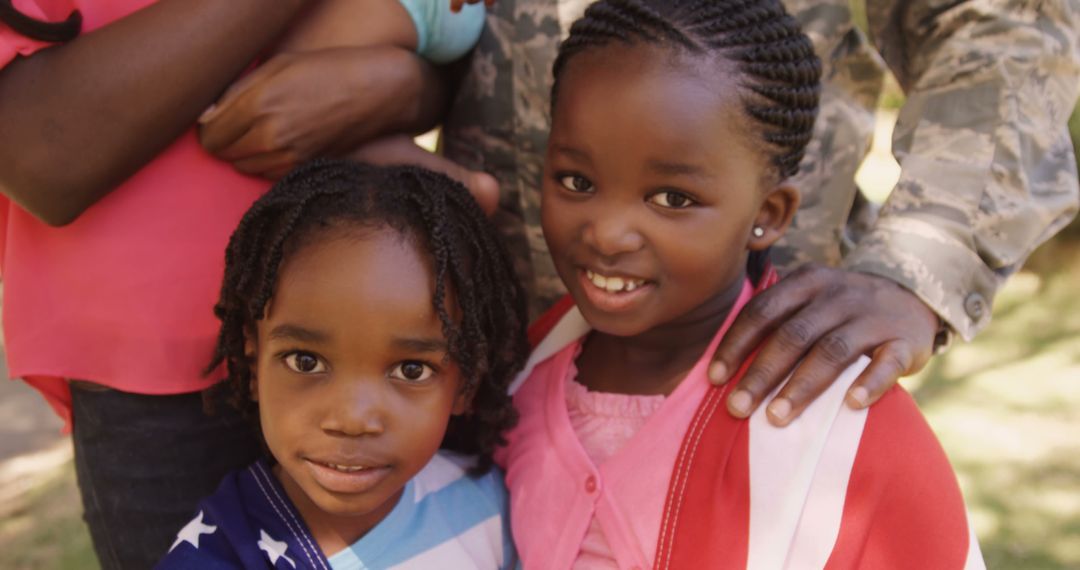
651 189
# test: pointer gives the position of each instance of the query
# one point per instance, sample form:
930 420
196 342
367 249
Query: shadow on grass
1029 531
1007 407
45 530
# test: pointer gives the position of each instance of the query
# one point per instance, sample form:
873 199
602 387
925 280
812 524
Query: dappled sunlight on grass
44 527
1007 410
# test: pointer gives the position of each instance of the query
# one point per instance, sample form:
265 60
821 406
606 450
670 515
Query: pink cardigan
696 488
551 478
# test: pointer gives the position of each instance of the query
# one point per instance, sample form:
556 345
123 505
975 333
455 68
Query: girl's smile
614 292
651 190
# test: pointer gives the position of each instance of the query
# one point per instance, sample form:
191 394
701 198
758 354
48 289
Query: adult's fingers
226 127
889 362
244 84
269 165
261 137
831 354
781 352
237 109
758 319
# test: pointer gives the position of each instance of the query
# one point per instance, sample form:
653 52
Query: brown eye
304 363
412 371
671 199
576 183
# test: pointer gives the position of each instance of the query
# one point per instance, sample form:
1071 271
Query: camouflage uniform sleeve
852 77
499 123
987 169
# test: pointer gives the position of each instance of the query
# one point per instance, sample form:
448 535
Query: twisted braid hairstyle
780 75
485 332
37 29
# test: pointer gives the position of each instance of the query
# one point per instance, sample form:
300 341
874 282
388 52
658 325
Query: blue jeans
143 463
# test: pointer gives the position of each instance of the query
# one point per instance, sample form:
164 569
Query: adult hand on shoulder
812 325
297 106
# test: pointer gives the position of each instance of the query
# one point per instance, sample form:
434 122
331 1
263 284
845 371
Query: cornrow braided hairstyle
780 73
487 339
55 32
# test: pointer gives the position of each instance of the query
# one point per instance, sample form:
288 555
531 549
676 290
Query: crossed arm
81 117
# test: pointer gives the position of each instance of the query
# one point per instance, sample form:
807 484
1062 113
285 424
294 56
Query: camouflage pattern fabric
987 170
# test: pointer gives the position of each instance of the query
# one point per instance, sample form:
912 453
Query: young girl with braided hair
675 124
368 317
113 219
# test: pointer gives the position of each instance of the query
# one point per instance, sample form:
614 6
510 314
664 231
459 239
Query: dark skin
165 64
327 102
334 88
816 322
823 318
330 83
655 362
664 207
813 325
350 371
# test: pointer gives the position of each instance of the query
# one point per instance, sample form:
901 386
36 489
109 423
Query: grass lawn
1007 410
43 528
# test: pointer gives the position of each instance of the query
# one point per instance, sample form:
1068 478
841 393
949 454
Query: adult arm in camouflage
987 174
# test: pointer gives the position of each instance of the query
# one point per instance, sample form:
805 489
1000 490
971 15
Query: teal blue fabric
444 36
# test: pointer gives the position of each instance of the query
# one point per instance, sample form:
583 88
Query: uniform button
975 306
590 484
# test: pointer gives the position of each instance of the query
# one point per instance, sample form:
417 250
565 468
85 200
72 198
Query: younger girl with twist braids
112 263
369 316
675 124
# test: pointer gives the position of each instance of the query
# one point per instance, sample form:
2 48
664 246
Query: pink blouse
603 422
124 295
557 490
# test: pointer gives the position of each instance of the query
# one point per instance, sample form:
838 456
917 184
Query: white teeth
346 468
598 280
613 284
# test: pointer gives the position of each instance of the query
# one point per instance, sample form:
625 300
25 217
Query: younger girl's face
650 187
352 380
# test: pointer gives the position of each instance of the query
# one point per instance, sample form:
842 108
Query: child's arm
456 5
81 117
327 102
351 23
438 29
347 77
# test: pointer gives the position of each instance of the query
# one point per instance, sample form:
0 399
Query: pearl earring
759 232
